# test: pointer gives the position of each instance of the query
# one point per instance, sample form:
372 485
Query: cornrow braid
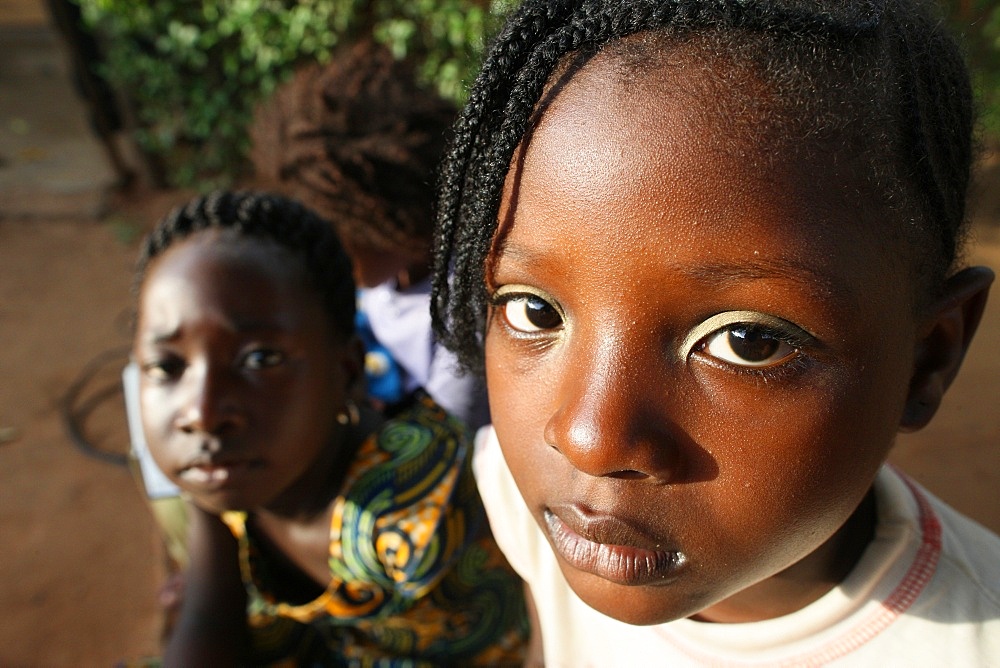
898 91
270 217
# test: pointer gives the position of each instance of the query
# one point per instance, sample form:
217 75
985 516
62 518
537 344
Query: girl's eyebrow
820 285
157 337
235 326
244 325
165 337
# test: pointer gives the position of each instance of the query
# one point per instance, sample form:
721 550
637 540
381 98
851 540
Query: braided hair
358 140
878 78
273 218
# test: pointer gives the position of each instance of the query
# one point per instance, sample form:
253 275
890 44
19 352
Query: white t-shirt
926 592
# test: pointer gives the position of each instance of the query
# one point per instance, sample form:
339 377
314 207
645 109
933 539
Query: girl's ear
946 335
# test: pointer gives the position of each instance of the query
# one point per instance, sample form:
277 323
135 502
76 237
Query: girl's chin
218 503
639 606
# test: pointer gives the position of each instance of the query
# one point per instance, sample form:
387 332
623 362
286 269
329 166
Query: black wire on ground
76 407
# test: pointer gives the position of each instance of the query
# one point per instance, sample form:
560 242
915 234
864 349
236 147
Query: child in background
318 531
708 255
358 141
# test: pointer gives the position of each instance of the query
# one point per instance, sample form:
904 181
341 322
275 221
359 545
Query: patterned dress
415 576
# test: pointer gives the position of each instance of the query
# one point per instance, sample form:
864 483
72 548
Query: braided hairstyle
880 79
271 218
357 140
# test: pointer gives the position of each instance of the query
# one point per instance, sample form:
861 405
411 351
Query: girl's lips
619 563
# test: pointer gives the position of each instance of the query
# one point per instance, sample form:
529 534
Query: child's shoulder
969 559
410 479
947 604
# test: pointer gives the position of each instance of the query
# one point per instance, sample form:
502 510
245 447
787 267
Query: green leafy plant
191 73
988 71
978 24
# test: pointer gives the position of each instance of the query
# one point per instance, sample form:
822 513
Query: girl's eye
531 314
262 358
748 345
525 311
747 339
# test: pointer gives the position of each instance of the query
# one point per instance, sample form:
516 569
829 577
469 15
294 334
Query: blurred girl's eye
164 368
747 339
262 358
527 309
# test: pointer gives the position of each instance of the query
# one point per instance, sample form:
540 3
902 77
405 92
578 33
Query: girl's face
697 359
242 375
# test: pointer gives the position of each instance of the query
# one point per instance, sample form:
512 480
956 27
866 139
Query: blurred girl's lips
214 476
611 549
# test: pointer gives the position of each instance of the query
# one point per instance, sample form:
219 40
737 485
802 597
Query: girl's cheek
513 383
156 416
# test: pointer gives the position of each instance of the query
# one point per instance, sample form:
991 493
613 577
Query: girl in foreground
708 256
319 533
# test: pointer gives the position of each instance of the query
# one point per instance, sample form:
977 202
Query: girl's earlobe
948 332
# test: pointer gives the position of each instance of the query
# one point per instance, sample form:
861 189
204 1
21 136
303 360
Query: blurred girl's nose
208 401
610 419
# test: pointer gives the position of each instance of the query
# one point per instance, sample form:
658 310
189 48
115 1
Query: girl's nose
611 419
209 402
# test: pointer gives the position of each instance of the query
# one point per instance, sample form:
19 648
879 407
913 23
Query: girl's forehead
214 258
669 180
232 285
609 123
755 91
601 132
734 96
212 246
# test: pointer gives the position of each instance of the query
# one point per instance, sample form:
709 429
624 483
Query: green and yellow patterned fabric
415 577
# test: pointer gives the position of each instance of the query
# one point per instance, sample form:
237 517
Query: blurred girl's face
697 359
241 372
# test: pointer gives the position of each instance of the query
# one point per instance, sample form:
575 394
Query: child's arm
211 629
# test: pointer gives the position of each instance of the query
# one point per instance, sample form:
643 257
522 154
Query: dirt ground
79 553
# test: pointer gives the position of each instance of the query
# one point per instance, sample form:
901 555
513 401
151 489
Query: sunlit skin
676 471
242 377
